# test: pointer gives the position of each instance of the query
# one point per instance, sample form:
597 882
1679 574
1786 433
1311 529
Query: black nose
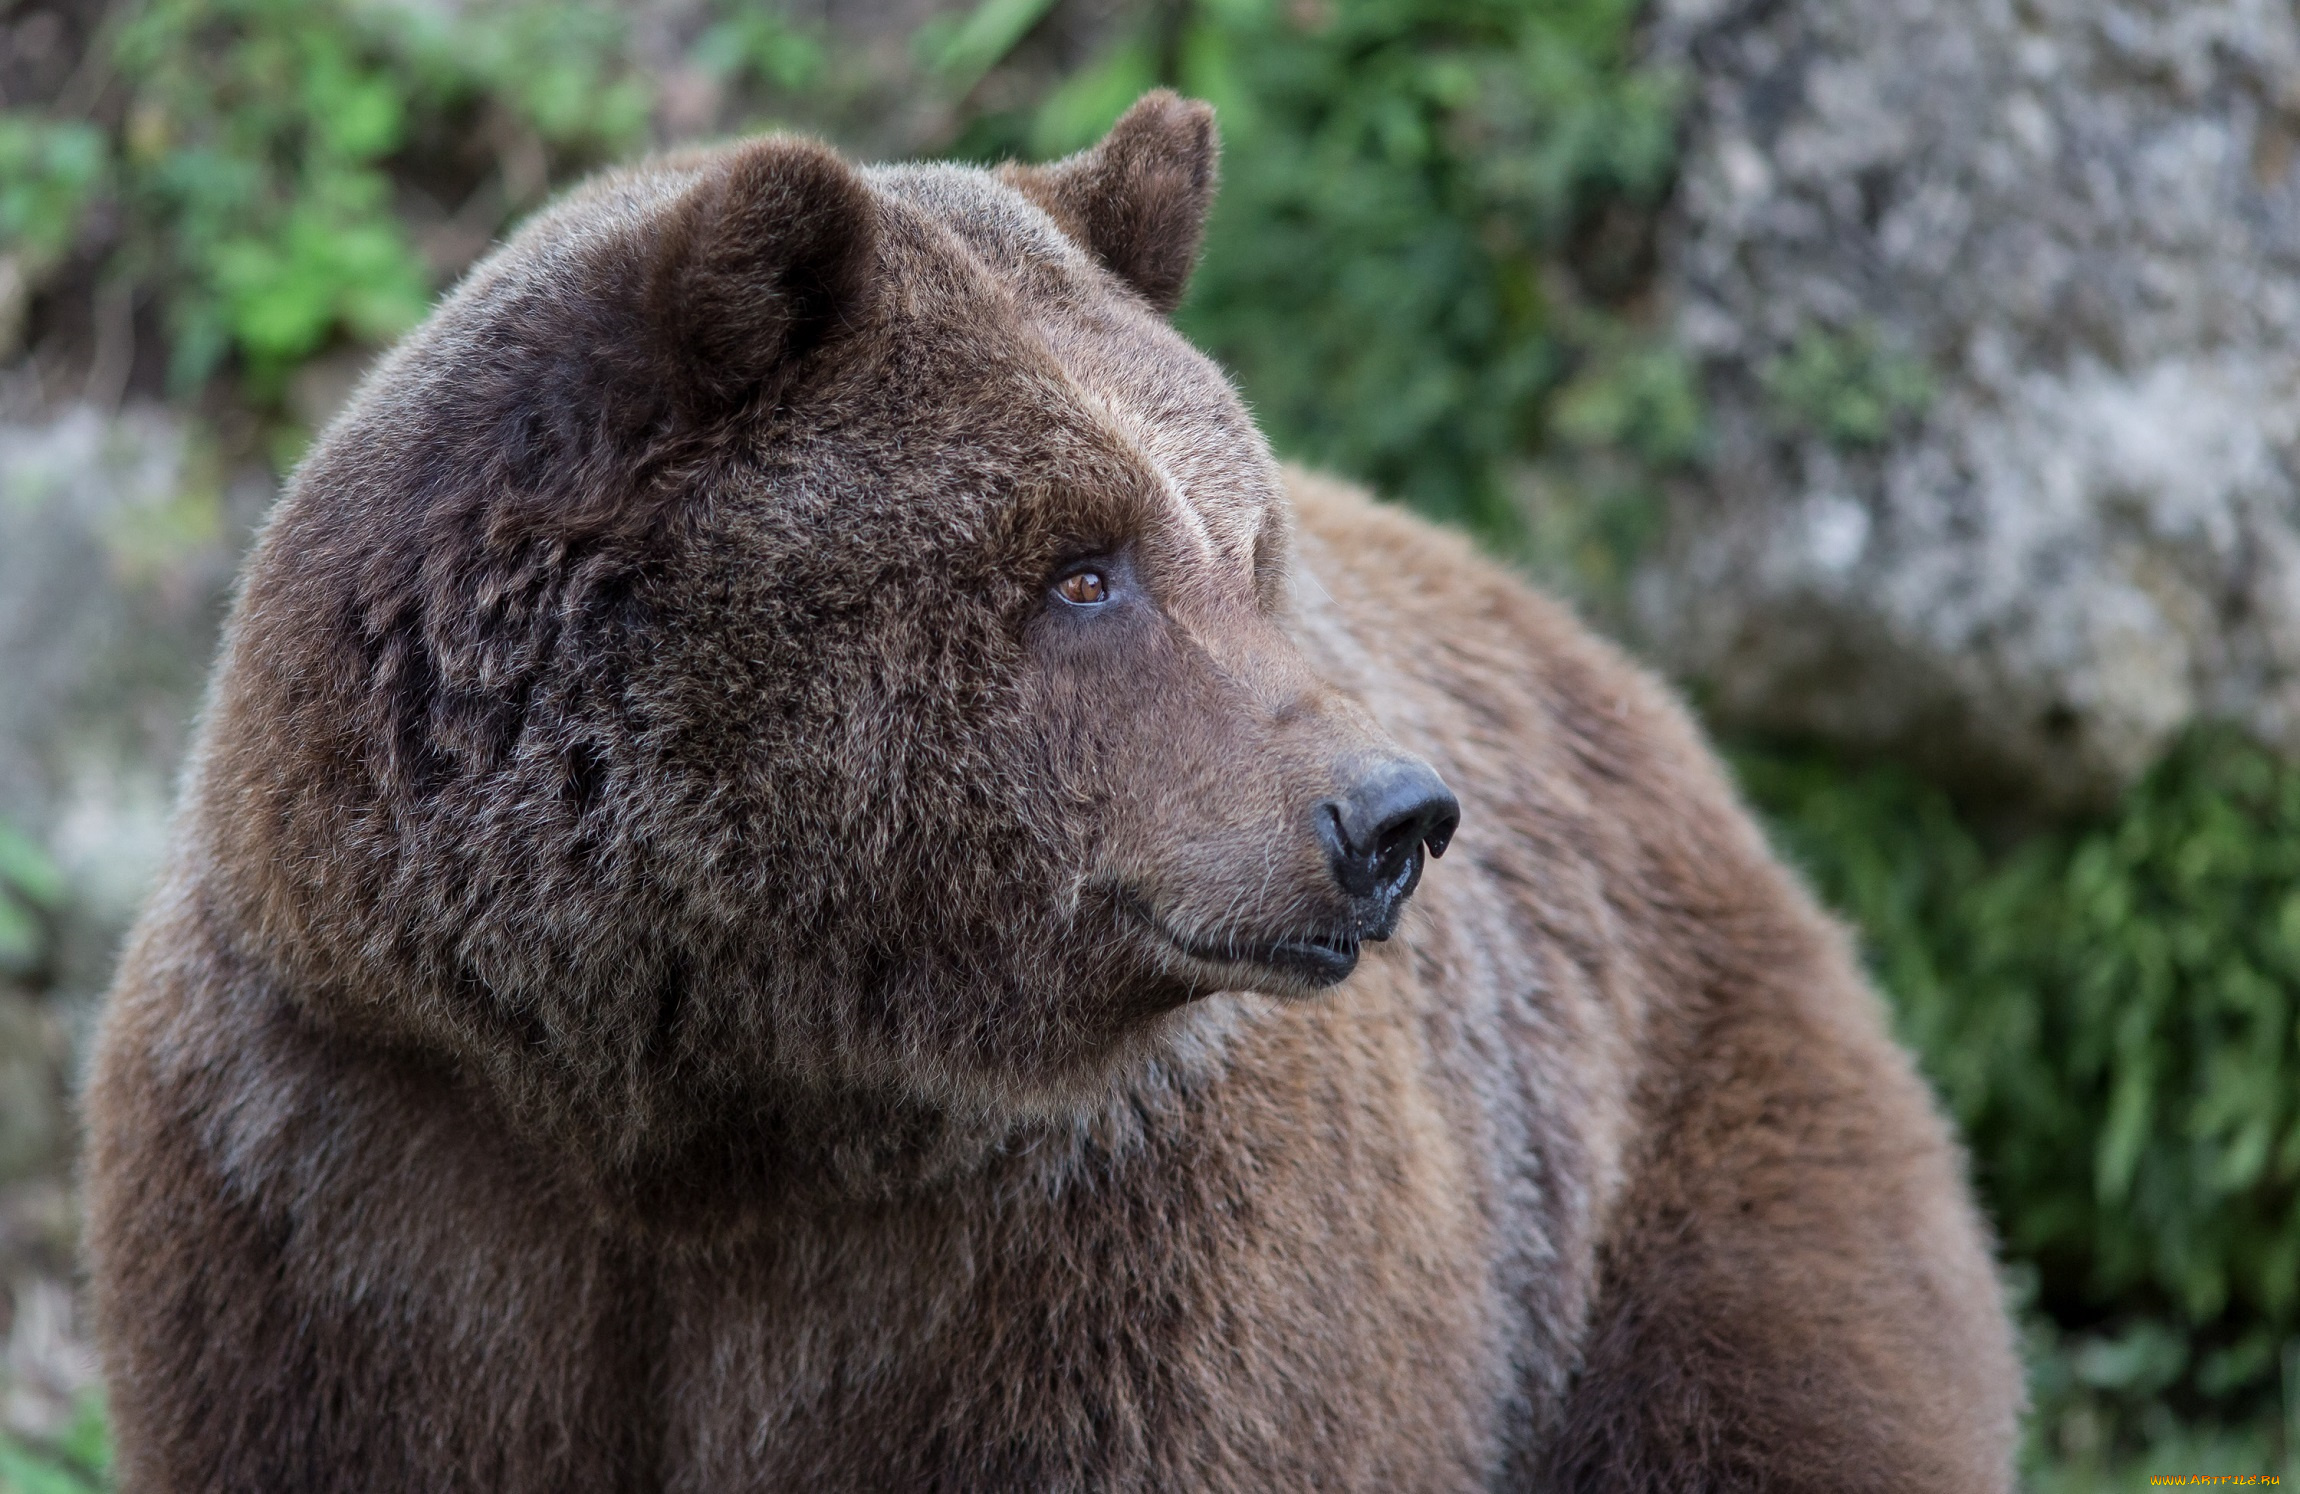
1376 829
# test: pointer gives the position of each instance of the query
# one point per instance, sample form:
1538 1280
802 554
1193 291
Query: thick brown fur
684 966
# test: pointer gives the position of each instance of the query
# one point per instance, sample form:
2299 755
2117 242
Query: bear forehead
1097 347
978 291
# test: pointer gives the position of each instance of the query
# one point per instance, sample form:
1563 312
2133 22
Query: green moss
1847 387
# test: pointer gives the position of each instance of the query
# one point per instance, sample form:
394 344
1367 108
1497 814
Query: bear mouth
1317 957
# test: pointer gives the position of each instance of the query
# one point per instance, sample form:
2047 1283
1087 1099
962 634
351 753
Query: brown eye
1084 588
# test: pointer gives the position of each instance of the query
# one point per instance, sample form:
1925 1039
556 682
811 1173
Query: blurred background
1917 382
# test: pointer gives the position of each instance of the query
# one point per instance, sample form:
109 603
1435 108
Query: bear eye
1083 588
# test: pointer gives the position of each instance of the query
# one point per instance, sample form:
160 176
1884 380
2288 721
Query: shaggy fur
687 966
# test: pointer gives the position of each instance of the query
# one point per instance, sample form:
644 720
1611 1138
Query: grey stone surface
2068 232
47 1361
118 539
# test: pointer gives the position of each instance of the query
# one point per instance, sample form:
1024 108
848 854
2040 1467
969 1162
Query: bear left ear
759 261
1138 200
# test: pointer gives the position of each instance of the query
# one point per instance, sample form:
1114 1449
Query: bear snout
1376 829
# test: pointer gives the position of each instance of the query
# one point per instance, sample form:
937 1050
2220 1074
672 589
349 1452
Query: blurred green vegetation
253 162
31 890
1846 387
1431 267
79 1461
49 169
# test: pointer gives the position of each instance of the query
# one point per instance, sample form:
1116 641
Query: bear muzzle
1376 834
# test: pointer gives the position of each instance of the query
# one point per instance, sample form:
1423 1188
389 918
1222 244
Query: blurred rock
47 1362
35 1126
118 539
1998 310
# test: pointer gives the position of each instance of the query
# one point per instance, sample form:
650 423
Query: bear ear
761 260
1138 200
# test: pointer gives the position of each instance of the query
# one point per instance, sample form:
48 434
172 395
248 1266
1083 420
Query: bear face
783 633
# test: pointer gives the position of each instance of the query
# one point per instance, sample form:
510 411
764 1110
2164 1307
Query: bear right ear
758 262
1138 200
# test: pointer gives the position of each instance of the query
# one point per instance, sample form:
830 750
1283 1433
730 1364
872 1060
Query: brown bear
797 878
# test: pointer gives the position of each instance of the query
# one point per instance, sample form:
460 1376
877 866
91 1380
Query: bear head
783 629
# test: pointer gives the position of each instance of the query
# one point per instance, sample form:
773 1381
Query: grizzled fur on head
648 695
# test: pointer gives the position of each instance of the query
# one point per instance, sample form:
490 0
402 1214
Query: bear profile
807 869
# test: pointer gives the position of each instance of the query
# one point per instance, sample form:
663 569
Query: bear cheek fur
1202 746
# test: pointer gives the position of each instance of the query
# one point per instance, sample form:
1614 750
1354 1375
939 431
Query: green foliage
1388 270
2110 1011
49 172
1591 505
251 154
80 1461
555 69
1846 387
962 49
755 44
31 891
